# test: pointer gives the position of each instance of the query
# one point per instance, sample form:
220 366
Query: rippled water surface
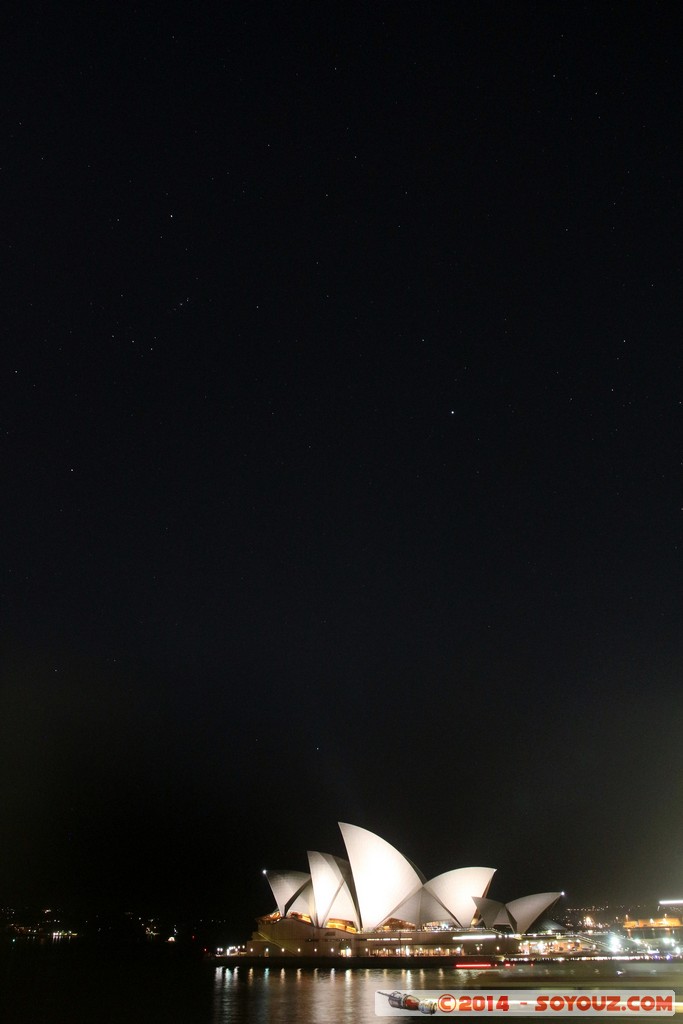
309 995
104 989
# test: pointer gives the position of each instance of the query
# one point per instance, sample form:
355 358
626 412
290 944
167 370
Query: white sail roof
527 909
303 902
423 908
456 889
286 886
378 883
384 879
492 912
332 885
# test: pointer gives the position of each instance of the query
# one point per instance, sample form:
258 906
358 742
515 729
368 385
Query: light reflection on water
90 988
315 996
295 995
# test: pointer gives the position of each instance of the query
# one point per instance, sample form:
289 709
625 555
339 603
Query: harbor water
78 989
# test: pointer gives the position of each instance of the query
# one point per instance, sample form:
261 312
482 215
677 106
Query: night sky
342 438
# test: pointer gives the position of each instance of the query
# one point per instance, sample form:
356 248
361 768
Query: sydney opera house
378 903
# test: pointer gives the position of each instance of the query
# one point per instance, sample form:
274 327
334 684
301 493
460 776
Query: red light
471 966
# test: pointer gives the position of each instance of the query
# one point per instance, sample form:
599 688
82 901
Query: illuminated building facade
377 897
